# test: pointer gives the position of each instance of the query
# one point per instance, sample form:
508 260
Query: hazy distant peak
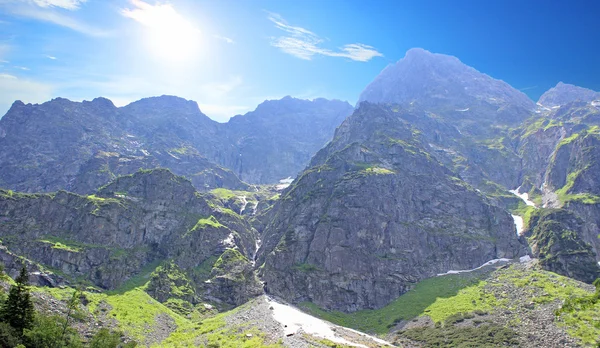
440 81
564 93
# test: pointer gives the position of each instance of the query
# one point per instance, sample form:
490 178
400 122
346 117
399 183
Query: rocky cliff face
82 146
555 239
373 214
129 226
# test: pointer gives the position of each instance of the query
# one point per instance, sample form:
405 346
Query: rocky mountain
82 146
129 227
564 93
278 139
447 210
474 101
373 214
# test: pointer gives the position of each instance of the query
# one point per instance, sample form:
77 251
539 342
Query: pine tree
18 309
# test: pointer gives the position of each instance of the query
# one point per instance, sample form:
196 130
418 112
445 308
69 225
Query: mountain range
444 196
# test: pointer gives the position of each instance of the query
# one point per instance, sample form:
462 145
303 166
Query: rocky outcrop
132 224
555 239
375 213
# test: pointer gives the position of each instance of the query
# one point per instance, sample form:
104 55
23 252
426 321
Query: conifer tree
18 310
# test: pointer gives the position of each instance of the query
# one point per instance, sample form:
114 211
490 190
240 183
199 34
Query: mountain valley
445 209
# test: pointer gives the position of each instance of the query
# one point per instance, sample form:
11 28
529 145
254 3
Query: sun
169 35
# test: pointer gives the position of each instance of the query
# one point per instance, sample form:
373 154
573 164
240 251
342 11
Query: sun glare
169 35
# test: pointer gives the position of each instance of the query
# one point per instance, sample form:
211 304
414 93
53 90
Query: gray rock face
82 146
555 239
373 214
564 93
129 225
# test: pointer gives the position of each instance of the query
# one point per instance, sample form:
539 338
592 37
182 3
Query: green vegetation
564 196
379 171
525 211
17 310
170 285
181 150
202 271
437 297
206 222
533 125
580 313
229 258
449 335
581 316
59 245
139 280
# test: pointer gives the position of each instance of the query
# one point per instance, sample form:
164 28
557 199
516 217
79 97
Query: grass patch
486 335
61 246
437 297
207 222
379 171
138 280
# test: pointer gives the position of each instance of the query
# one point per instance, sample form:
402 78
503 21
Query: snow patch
518 224
254 208
491 262
462 110
229 241
292 320
525 259
523 196
284 183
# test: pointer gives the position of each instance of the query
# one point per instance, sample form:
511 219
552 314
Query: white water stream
244 204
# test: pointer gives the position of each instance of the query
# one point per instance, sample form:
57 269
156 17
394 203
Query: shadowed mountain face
278 139
82 146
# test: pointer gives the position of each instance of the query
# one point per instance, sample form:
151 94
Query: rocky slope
128 228
373 214
81 146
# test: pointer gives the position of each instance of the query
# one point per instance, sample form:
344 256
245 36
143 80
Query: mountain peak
564 93
442 82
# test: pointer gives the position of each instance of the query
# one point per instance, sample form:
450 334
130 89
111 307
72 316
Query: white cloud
13 88
305 44
24 68
224 38
51 16
50 57
66 4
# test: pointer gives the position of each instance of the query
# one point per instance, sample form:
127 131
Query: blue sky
231 55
